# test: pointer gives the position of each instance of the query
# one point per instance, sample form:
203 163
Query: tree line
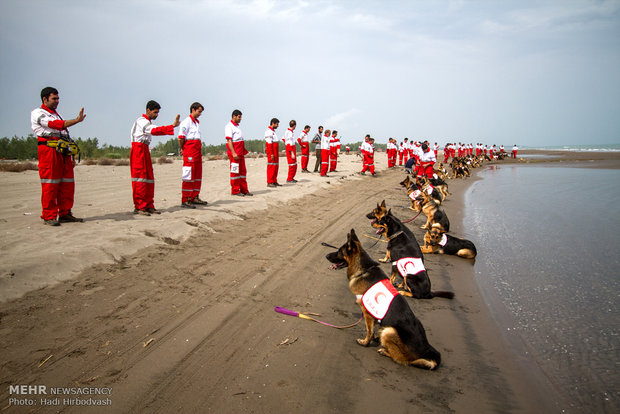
20 148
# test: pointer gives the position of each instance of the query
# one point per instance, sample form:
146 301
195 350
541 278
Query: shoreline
204 309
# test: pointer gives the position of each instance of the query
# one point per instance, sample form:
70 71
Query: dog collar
398 233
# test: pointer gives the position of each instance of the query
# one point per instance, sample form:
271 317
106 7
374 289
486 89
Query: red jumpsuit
142 178
325 150
238 181
189 133
305 150
272 149
291 154
55 169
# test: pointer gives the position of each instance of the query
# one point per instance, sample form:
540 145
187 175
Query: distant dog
432 212
407 260
436 240
401 335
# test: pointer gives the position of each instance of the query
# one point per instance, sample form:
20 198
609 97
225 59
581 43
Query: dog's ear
389 212
383 203
354 236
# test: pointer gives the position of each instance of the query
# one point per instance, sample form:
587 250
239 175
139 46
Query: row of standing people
452 150
56 159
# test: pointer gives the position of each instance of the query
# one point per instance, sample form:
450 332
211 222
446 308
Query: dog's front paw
363 342
383 352
384 260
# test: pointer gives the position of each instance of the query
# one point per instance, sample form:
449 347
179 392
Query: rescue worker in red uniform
325 149
56 161
272 149
291 152
368 155
140 164
426 161
191 148
304 143
334 148
235 149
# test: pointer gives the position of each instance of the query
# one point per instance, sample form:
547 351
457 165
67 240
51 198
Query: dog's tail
443 294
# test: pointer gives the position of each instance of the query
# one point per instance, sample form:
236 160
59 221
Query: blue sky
499 72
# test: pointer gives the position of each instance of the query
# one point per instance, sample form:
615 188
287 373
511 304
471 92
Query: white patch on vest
409 266
234 167
444 240
378 298
429 190
414 194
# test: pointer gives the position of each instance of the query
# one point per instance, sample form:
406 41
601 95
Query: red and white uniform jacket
303 138
143 130
190 131
270 136
232 131
288 137
47 123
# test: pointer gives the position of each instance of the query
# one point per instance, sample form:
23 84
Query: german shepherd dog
414 191
432 212
376 215
439 187
436 240
401 335
403 245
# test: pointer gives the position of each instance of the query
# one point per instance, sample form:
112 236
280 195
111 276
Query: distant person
272 149
334 147
304 143
55 152
426 161
316 140
235 149
391 152
347 149
291 152
325 148
514 151
368 154
140 164
191 148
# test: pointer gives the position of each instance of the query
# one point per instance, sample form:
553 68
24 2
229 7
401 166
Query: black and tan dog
402 336
405 254
438 189
377 215
433 213
436 240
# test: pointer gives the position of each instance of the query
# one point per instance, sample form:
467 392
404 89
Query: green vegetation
20 148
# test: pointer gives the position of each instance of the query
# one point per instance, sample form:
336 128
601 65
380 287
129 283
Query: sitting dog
401 335
376 215
432 212
406 257
424 184
436 240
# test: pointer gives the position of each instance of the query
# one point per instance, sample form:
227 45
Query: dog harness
415 194
444 240
378 298
409 266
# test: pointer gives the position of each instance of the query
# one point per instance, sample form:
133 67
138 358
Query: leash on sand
289 312
412 218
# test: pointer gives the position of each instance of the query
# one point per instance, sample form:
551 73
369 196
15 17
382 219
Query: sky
534 73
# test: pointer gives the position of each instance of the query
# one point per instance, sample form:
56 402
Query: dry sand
175 312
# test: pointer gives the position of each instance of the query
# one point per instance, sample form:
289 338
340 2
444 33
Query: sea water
548 264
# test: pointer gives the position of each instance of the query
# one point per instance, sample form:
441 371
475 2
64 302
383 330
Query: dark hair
424 146
334 132
195 106
308 127
236 112
274 121
320 127
152 105
47 91
367 136
292 123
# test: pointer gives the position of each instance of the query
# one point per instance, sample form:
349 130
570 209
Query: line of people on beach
57 151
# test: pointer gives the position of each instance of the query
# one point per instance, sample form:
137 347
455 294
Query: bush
164 160
18 166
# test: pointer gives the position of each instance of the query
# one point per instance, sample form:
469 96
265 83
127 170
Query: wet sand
175 312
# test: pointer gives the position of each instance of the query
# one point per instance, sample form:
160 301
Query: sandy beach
175 312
